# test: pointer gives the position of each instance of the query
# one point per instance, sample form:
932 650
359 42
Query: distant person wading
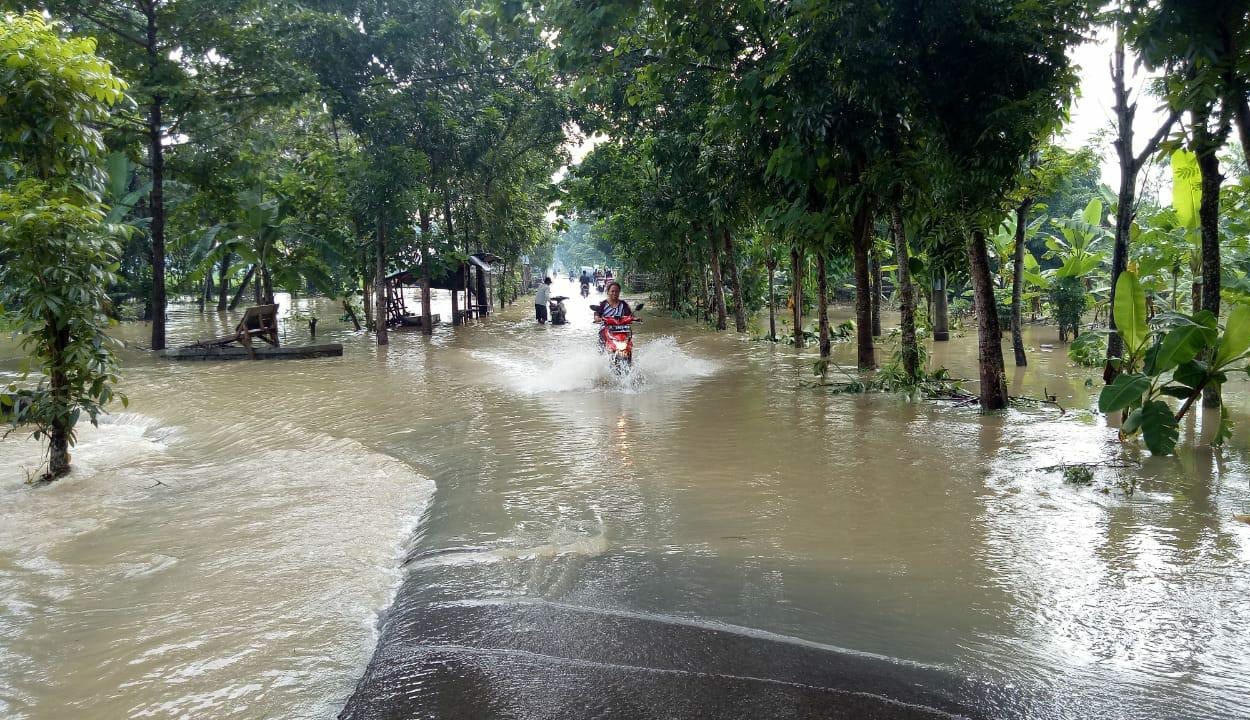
541 297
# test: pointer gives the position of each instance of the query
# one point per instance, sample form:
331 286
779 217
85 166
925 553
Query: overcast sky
1092 111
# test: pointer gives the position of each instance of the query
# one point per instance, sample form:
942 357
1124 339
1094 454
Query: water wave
241 567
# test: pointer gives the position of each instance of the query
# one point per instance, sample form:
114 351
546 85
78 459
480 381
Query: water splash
658 363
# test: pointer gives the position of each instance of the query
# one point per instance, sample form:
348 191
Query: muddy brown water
517 533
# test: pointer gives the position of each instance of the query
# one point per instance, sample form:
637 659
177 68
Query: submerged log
259 352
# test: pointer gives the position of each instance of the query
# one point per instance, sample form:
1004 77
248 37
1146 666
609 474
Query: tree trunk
772 301
58 387
156 198
58 451
862 242
266 285
223 282
379 286
156 158
206 291
875 278
1130 165
1209 220
718 287
1124 113
731 260
347 308
907 296
941 311
705 304
427 315
1119 257
1017 283
456 318
503 286
822 304
238 295
796 288
470 302
990 337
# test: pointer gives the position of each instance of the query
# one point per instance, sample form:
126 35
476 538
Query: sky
1092 110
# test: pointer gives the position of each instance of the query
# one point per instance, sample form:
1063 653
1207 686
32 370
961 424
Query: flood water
518 533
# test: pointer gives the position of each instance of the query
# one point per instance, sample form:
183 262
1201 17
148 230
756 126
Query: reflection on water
221 549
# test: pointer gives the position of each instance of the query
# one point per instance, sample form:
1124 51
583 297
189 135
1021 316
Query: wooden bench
260 321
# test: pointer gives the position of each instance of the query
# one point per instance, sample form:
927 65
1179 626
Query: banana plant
1186 198
1079 244
1163 252
263 234
1175 356
118 194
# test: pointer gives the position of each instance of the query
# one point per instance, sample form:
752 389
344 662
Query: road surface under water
488 523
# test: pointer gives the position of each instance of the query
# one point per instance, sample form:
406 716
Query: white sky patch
578 145
1094 110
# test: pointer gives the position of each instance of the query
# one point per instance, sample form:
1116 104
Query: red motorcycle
616 338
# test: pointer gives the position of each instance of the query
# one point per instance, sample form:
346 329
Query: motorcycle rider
613 307
585 281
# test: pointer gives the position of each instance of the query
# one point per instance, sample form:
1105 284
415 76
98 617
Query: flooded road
707 537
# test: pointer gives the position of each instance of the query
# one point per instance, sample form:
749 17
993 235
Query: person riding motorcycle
585 282
613 307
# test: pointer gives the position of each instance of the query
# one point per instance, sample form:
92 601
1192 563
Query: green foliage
1186 188
1130 313
582 244
56 95
1067 298
1078 475
58 257
1175 356
1063 180
1079 244
1089 349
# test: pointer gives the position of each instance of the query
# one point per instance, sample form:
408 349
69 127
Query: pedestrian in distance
541 297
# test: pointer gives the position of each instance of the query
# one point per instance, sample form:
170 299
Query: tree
59 260
176 55
1203 48
1130 166
1006 83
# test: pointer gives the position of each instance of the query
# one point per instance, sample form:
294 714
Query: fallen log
259 352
